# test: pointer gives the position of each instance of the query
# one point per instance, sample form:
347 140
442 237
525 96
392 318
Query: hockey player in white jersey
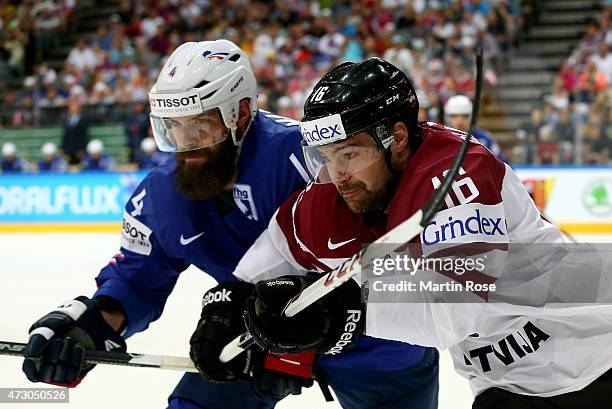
372 161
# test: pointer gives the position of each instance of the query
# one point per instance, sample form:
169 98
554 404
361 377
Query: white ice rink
41 270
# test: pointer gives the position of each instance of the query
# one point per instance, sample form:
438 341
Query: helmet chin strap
238 143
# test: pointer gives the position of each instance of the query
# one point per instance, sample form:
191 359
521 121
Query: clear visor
339 161
188 133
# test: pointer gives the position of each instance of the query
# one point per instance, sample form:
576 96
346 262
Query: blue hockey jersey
164 232
56 164
104 163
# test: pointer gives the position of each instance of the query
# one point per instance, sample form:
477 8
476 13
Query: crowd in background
574 122
107 74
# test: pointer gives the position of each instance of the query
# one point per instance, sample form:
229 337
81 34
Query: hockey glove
272 377
330 325
220 322
56 347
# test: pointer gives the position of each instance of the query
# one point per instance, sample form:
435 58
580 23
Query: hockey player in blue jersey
96 159
457 111
11 162
233 167
150 156
50 160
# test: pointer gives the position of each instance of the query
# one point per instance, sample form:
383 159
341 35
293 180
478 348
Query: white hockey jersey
535 343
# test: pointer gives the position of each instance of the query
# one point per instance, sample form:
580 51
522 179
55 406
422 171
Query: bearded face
204 173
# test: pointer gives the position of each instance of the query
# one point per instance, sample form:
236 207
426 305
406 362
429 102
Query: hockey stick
176 363
403 233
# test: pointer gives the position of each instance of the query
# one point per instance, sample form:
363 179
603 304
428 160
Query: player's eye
349 155
171 123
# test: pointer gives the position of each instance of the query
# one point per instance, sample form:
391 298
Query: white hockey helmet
48 149
197 80
458 105
148 145
95 147
9 149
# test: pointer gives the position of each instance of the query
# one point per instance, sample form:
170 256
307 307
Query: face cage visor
188 133
336 162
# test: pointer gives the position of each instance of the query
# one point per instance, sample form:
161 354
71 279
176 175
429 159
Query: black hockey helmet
369 96
365 94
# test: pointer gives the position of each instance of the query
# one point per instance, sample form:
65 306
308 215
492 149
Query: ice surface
41 270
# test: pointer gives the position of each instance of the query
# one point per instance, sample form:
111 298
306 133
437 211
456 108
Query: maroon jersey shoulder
319 226
479 180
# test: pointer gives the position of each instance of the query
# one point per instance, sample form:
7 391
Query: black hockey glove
56 347
329 326
220 322
272 377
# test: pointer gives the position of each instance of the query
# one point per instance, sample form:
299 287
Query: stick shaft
117 358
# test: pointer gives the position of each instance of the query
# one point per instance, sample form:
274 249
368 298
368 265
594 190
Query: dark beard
375 200
201 181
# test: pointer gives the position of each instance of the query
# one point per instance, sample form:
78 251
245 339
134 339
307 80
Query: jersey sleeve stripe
298 166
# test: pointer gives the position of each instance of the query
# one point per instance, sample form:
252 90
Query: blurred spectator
45 74
47 21
50 161
529 133
398 54
548 148
591 82
136 129
564 132
122 92
560 97
596 147
75 136
52 98
75 91
478 7
588 43
286 108
11 162
569 77
96 159
101 93
102 37
463 80
14 44
82 56
603 60
151 23
150 156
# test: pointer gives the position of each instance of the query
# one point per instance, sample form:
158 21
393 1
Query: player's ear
400 135
244 112
400 149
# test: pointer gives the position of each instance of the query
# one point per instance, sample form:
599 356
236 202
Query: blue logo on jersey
434 233
243 197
